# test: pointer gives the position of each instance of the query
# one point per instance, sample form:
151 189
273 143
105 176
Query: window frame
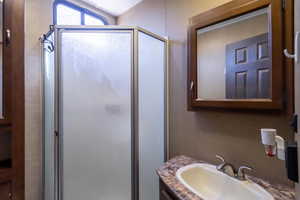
82 11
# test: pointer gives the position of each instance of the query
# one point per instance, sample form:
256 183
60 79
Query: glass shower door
152 113
95 114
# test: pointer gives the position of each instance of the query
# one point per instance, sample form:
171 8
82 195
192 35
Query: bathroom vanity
171 188
165 192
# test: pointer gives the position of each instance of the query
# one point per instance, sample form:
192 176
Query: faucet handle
220 158
241 172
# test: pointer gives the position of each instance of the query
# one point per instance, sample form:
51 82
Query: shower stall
105 112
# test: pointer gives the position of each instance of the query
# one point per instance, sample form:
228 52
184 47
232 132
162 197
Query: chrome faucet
230 170
241 173
225 167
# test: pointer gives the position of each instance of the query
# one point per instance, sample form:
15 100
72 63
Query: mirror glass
1 58
234 58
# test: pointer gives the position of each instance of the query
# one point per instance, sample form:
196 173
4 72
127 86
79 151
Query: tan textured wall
38 17
203 134
212 54
150 15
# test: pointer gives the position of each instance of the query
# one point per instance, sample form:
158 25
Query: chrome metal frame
44 39
56 115
135 119
43 109
134 101
167 99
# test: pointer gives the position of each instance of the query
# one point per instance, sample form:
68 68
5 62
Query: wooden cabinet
5 66
12 114
5 191
165 193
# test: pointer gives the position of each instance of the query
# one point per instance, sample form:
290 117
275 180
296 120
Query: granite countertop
167 173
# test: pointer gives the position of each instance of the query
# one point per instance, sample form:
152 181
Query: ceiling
113 7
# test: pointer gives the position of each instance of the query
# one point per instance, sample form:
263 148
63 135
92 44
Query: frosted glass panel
96 115
151 114
48 61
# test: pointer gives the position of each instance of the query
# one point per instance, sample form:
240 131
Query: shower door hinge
50 47
56 133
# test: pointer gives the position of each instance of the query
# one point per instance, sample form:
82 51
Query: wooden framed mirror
235 55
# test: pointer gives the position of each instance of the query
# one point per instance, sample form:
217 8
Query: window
90 20
67 16
66 13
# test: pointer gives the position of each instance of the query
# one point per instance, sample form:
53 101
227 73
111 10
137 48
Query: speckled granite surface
167 173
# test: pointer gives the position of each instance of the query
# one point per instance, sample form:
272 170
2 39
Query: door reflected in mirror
234 59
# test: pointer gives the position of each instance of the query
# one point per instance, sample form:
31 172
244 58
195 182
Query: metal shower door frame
58 154
45 39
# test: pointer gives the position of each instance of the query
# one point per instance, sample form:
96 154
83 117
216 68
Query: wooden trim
14 21
289 63
225 12
5 164
6 175
4 122
228 10
7 70
5 129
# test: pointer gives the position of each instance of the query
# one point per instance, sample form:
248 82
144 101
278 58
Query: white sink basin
210 184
